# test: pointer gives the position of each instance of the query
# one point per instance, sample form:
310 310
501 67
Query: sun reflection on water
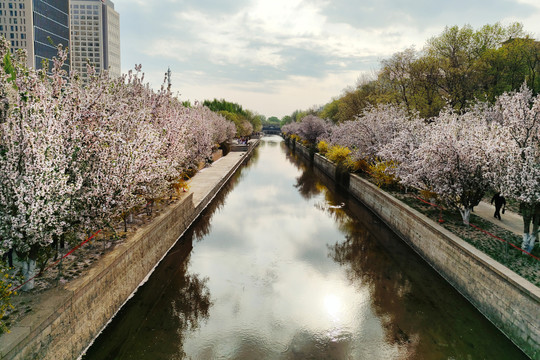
333 306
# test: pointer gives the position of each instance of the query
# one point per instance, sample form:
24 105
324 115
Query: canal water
283 265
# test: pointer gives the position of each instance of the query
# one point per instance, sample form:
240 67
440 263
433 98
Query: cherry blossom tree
290 129
366 135
401 150
36 187
311 128
515 155
449 160
77 156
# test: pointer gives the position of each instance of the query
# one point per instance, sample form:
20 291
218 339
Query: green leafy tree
287 119
355 101
242 117
330 111
425 97
254 119
396 72
273 120
459 53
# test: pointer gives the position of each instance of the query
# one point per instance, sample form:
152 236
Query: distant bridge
271 130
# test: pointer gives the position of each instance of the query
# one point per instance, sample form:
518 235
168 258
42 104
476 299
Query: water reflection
291 268
153 324
157 319
405 296
204 221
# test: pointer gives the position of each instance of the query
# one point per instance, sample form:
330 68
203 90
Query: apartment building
95 36
37 26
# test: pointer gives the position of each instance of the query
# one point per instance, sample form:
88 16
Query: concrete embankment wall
66 320
509 301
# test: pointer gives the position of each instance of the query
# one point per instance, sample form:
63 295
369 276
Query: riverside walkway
208 178
509 220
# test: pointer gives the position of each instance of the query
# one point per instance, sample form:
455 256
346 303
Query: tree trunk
28 272
465 215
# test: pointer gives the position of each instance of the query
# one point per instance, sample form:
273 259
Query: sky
276 56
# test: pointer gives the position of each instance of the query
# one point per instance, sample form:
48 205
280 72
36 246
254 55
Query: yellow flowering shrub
428 195
295 137
322 146
381 174
341 156
6 284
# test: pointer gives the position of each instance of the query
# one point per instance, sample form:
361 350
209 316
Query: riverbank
64 320
509 301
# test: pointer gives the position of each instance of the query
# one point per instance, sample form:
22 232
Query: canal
282 265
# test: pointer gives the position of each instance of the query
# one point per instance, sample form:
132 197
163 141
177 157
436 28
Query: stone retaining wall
304 151
509 301
68 319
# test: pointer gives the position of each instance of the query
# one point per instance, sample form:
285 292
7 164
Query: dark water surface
276 269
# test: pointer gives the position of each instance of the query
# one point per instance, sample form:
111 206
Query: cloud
278 97
423 13
273 53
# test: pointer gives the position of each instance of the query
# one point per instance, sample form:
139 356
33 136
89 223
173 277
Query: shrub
428 195
341 156
6 283
362 165
295 137
338 154
322 146
381 174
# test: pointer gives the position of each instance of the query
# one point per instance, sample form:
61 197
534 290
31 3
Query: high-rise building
37 26
95 36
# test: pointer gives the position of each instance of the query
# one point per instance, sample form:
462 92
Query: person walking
500 202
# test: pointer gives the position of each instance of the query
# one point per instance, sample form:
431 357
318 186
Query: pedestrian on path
500 202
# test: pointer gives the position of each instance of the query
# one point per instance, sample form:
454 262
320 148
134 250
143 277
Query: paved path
510 220
207 179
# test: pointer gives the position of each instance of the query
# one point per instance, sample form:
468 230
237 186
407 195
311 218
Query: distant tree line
246 121
457 67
